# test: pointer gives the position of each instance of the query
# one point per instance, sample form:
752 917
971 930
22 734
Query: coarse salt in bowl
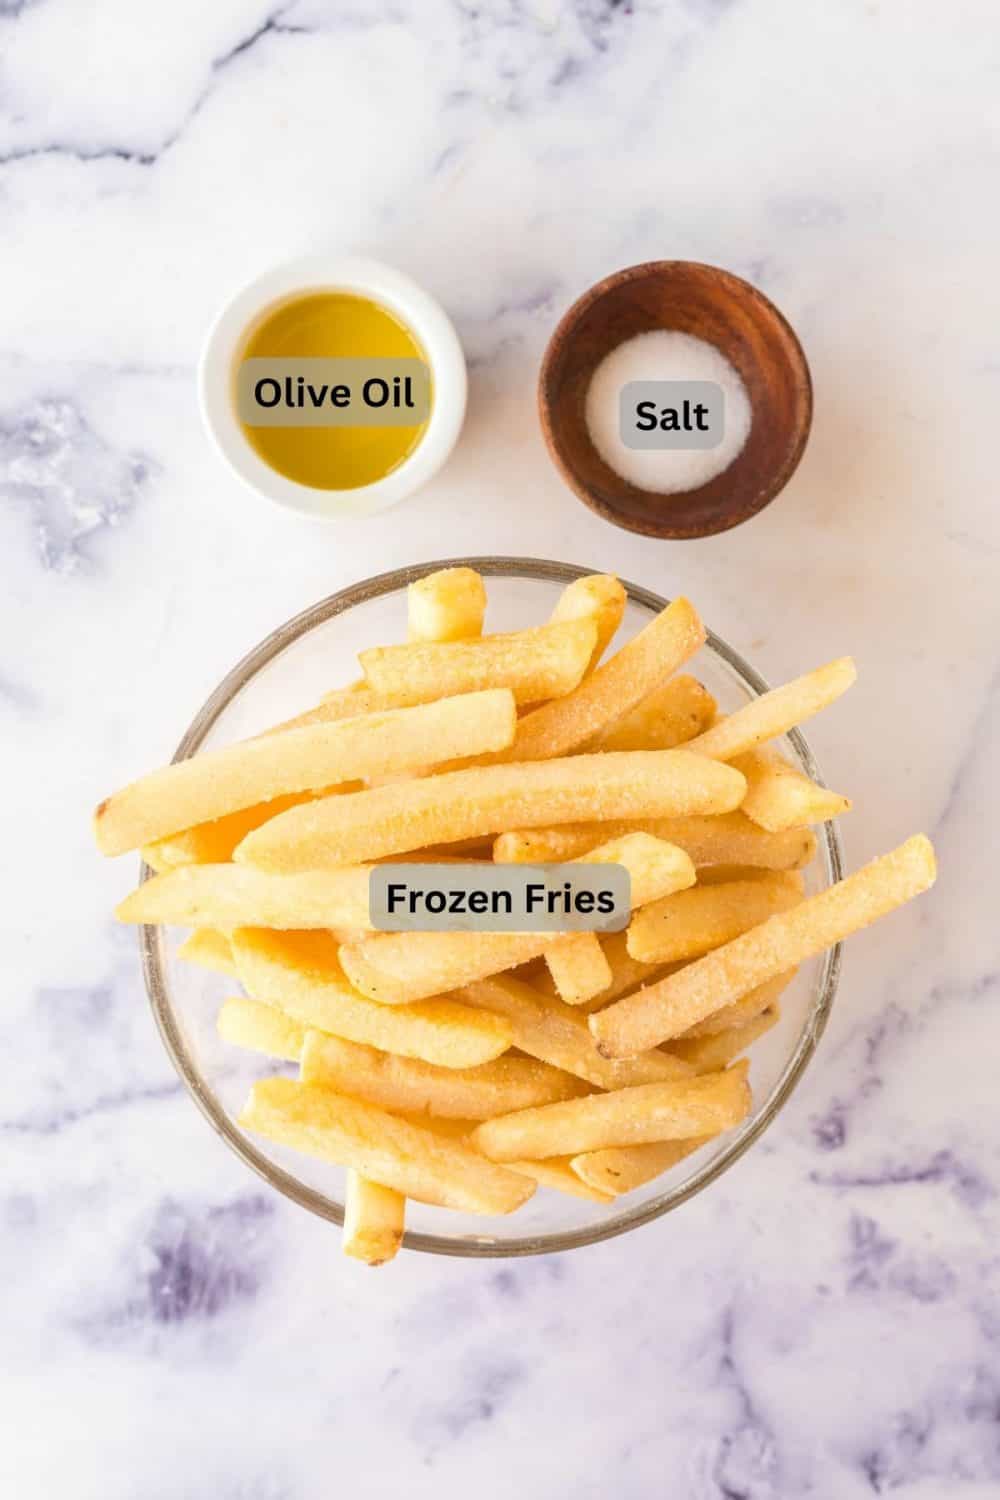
664 354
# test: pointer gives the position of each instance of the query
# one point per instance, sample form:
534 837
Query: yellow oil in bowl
332 325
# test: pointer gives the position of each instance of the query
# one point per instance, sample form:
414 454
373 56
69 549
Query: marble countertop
824 1321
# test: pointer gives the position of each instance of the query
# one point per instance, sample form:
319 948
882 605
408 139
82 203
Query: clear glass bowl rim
157 987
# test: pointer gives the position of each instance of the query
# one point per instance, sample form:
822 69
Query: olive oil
332 325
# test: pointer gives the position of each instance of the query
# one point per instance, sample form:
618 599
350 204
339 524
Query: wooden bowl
723 310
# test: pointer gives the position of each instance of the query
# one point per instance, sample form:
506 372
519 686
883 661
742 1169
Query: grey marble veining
823 1322
73 481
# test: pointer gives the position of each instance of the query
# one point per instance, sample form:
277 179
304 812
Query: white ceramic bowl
426 319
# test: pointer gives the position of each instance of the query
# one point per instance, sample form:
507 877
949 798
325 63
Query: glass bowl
290 670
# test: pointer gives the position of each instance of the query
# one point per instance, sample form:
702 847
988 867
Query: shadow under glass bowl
306 657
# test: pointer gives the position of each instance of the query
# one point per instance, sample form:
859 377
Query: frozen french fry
415 1162
725 874
405 1085
395 976
669 716
626 973
238 896
611 690
649 1112
386 820
342 703
578 967
397 968
210 948
219 782
779 797
536 846
556 1173
344 694
600 597
151 856
299 973
213 843
374 1220
733 839
764 997
545 1028
454 1130
776 712
621 1169
726 839
261 1028
448 605
689 923
672 1005
709 1054
544 662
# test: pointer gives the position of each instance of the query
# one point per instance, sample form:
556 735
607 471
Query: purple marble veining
746 1463
966 1182
203 1265
191 1267
486 1387
85 1050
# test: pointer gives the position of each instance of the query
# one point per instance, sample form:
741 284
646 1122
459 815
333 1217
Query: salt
665 355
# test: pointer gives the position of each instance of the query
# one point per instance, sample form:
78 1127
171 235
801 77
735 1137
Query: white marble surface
824 1321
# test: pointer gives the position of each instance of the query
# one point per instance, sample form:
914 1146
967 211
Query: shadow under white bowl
414 307
290 670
